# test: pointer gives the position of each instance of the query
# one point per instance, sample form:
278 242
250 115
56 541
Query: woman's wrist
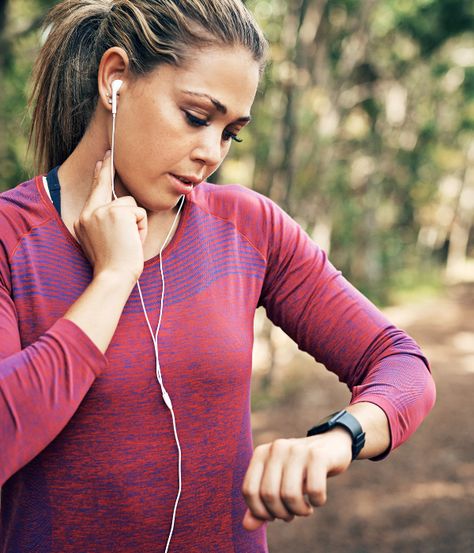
121 282
338 443
375 424
98 310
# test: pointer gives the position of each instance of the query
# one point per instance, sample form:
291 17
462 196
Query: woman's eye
231 136
196 121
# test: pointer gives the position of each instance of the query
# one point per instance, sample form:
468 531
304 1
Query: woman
124 403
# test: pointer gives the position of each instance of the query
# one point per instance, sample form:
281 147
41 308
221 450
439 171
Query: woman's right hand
111 233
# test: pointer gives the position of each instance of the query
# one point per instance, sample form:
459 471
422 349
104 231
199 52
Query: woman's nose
209 149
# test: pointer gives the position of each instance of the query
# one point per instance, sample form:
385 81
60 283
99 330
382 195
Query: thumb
251 523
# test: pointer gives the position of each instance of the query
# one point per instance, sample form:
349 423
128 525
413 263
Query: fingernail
107 154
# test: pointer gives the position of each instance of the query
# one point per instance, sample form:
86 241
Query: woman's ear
113 66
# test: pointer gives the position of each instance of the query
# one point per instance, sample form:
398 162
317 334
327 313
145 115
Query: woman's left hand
287 478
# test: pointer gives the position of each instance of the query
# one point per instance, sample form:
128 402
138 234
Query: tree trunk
462 225
4 55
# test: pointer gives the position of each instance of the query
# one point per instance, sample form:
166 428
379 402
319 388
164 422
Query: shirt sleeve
329 319
41 386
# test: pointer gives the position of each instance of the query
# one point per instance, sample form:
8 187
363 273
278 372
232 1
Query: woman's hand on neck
76 176
77 171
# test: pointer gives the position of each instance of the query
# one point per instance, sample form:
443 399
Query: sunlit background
363 132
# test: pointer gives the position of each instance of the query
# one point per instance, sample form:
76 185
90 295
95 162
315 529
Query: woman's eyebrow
218 105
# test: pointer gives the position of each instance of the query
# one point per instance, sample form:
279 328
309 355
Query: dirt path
420 499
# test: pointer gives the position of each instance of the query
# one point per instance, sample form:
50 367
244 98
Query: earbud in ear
115 88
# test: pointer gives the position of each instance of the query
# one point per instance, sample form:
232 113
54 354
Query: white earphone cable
154 336
166 397
112 180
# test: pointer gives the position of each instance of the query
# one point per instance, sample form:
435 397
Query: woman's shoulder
21 209
21 196
252 214
232 201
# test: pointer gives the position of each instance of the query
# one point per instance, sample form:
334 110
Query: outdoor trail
421 498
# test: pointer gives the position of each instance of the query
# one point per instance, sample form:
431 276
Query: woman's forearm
97 311
375 424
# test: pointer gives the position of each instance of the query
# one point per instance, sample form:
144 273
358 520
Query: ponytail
65 80
65 92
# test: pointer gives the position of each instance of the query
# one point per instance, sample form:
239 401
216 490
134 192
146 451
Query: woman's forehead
226 77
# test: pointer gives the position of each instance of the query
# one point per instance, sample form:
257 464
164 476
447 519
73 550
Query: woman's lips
180 186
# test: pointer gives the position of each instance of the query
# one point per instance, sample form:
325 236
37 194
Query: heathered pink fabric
87 455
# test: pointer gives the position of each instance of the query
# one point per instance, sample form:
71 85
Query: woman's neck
75 177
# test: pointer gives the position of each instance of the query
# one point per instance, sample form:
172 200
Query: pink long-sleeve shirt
87 453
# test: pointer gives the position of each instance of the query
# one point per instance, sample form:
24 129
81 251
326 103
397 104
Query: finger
292 485
124 201
252 523
125 207
100 192
316 481
140 214
97 169
251 484
272 479
142 223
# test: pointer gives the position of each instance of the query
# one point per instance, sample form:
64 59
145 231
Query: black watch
347 421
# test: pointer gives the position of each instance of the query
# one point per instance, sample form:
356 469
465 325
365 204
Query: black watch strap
347 421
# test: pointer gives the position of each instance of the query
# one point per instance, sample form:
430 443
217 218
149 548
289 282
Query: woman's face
181 121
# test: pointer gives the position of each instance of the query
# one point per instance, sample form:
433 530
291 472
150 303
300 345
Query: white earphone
116 85
115 88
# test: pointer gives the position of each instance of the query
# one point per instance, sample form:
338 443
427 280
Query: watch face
332 418
326 424
347 421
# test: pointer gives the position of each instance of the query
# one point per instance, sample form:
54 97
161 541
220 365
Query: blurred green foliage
362 128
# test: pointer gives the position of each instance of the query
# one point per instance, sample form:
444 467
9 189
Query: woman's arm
374 422
392 389
112 236
42 385
287 478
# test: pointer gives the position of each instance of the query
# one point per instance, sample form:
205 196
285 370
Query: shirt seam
25 235
244 236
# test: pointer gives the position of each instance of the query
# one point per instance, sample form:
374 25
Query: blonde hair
152 32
